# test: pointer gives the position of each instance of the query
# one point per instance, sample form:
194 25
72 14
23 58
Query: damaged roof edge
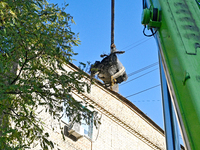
126 101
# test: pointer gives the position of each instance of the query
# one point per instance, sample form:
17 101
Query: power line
139 76
142 69
133 43
137 45
138 101
143 91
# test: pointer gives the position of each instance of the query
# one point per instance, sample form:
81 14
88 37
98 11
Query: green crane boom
177 27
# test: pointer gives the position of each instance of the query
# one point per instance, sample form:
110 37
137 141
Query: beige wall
123 126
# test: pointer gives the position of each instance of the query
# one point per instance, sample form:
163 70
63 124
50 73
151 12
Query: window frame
83 124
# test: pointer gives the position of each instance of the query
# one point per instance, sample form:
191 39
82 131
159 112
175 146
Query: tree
35 43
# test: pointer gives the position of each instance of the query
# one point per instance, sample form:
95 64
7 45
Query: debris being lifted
110 70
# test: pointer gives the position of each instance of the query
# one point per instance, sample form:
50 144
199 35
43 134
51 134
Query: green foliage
36 42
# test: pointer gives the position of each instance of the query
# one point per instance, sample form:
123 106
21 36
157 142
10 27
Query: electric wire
142 69
138 77
143 91
137 44
139 101
144 39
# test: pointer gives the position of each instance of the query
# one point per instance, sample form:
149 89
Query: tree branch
26 60
12 92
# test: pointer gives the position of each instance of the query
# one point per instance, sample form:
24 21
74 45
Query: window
84 128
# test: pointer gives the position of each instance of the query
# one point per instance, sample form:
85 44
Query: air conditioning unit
74 131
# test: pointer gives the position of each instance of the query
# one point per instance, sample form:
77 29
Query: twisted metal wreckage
110 70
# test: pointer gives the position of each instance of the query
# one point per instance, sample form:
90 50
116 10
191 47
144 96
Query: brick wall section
114 137
127 115
123 125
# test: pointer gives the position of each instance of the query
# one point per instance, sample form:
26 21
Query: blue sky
93 23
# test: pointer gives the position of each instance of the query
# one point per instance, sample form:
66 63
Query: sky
93 23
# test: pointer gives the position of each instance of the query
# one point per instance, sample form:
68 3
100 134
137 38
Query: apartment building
123 126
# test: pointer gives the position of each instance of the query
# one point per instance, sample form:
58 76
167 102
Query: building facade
123 126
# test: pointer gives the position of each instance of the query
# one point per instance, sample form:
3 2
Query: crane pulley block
151 17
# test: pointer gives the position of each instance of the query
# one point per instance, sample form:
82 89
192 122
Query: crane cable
112 46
